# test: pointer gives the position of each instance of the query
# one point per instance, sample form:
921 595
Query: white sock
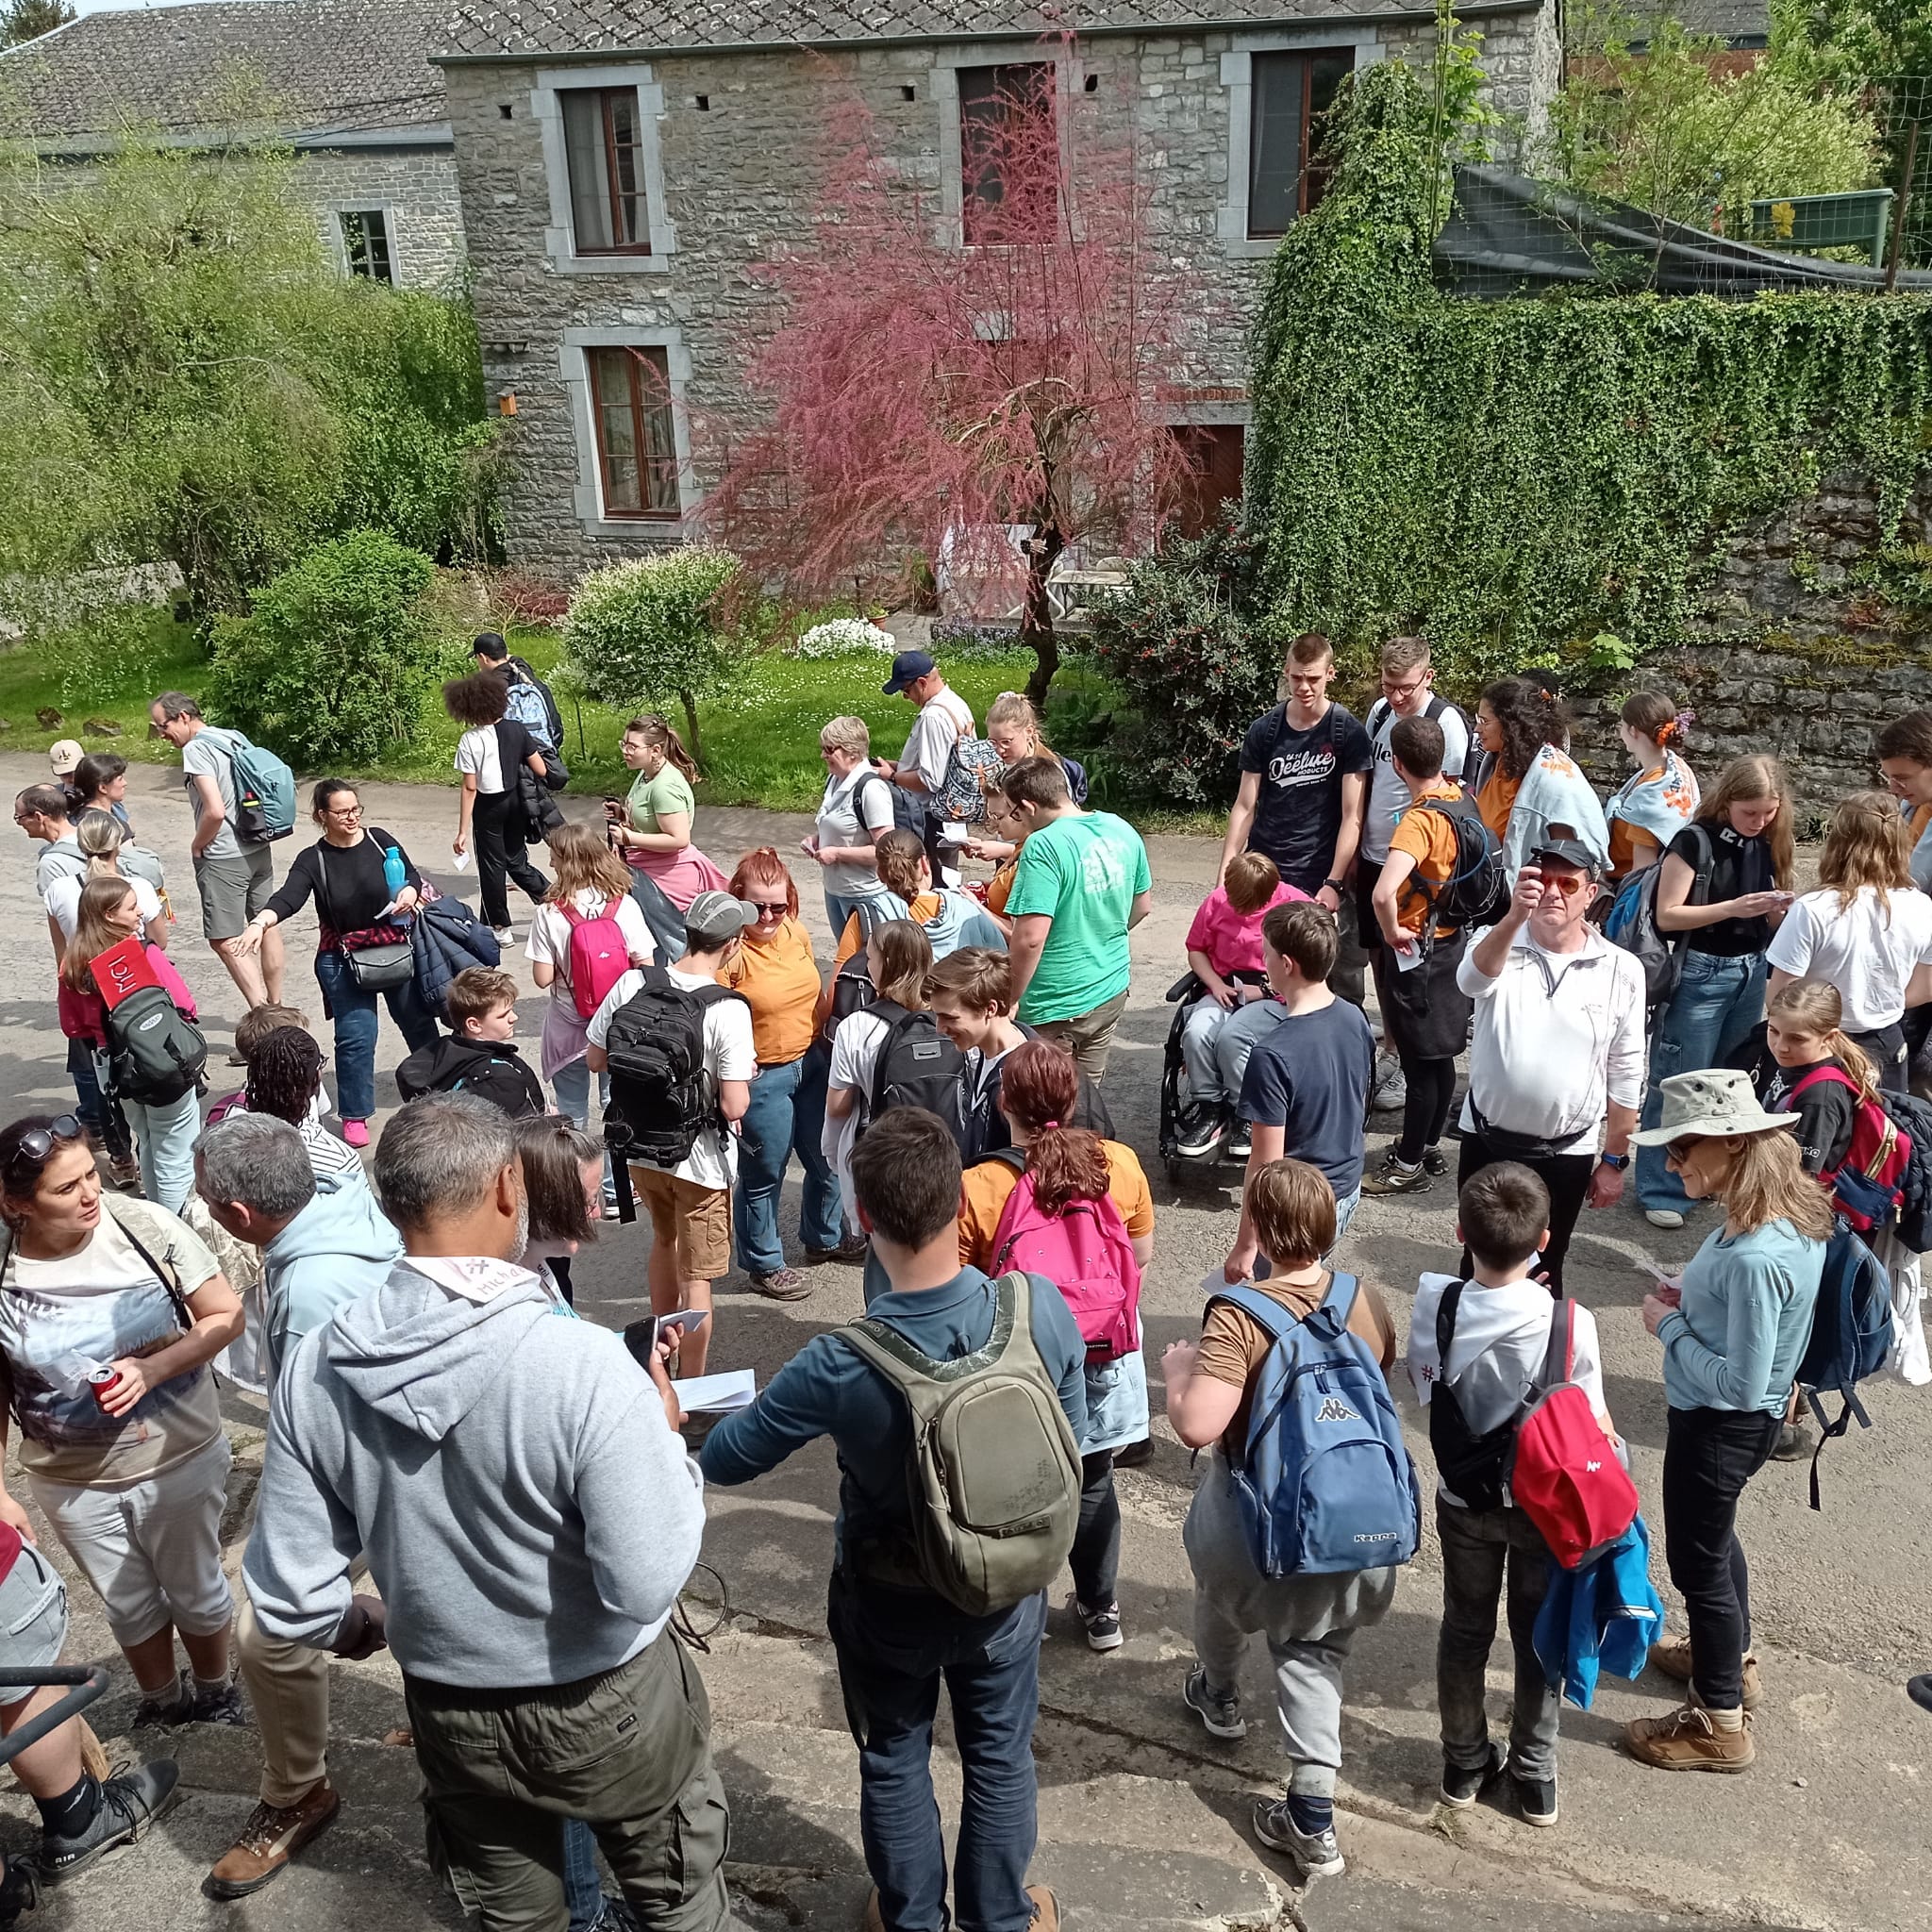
1726 1719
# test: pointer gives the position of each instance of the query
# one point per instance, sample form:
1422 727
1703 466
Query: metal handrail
89 1682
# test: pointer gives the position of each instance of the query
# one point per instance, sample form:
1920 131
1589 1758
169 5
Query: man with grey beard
530 1516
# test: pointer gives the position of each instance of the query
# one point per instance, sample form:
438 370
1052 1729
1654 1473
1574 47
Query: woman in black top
344 870
1742 838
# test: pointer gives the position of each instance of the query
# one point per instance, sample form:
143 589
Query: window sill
561 253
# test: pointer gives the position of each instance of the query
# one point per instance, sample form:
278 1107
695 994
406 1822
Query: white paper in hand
463 861
736 1389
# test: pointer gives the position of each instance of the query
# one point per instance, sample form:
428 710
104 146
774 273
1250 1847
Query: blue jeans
786 1116
164 1139
1717 1003
583 1890
354 1012
89 1107
893 1647
572 1086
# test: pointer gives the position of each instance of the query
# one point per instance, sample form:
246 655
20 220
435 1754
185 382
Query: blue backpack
1325 1483
1851 1335
264 792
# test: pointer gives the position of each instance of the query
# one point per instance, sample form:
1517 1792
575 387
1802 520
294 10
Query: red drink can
977 888
101 1380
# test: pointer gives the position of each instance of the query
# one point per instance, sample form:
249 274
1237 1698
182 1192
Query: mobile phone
643 1336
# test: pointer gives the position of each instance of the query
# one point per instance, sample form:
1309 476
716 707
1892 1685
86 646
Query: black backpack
1476 892
1473 1466
852 993
661 1096
155 1051
917 1066
504 1079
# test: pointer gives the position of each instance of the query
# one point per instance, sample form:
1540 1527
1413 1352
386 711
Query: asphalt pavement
1142 1816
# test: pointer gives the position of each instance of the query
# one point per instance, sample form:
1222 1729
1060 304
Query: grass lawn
760 740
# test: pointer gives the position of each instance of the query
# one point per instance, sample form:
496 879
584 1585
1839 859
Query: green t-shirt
669 790
1086 871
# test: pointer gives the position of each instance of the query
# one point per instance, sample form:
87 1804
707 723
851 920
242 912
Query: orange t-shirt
780 978
1497 800
1919 820
1430 839
986 1186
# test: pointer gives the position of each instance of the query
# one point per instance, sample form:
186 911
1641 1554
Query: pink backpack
1085 1253
599 956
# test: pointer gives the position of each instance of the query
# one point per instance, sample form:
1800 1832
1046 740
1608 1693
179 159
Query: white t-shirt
1870 957
855 1057
1387 794
477 751
63 901
838 824
549 941
943 720
730 1054
1501 1341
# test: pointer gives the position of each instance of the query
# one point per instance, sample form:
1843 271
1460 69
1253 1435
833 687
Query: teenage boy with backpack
1245 1389
531 702
677 1044
478 1055
896 1611
1478 1351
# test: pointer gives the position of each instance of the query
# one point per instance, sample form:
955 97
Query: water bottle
395 875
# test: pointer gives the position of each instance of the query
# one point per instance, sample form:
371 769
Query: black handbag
383 967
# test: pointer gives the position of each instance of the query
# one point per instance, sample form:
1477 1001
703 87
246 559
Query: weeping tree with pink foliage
934 378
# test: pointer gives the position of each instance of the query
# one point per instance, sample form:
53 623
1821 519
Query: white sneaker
1391 1087
506 935
1663 1217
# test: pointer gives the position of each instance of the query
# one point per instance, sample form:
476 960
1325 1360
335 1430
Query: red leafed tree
930 382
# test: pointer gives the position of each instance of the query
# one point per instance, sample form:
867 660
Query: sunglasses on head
38 1143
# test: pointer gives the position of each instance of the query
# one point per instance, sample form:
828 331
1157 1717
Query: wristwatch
1619 1161
1335 886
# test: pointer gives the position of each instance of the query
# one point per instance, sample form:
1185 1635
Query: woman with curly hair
1533 785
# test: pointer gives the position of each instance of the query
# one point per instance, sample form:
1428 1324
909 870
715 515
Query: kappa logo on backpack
156 1054
1851 1337
993 1478
1324 1482
1086 1252
661 1096
917 1066
1476 892
599 956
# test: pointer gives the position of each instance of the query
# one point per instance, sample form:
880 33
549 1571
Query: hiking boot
1102 1626
1795 1442
272 1835
1134 1455
130 1802
1395 1177
1536 1799
1435 1162
1200 1132
1391 1087
1047 1909
1317 1853
1673 1657
126 1174
781 1285
1663 1217
850 1253
223 1706
175 1707
1688 1740
1221 1712
1461 1787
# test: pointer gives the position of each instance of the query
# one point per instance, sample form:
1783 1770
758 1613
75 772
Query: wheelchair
1184 995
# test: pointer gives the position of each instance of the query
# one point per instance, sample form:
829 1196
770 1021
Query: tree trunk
1036 618
691 729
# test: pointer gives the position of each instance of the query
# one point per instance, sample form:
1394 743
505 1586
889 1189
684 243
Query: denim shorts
33 1620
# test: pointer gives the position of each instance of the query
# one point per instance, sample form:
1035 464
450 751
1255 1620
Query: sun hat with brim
1717 1102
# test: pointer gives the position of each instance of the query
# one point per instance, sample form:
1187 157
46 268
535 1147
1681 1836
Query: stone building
626 170
347 83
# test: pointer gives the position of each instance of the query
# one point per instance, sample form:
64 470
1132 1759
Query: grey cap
715 917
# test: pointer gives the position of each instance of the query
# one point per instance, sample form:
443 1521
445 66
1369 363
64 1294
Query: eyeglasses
37 1144
346 811
1398 693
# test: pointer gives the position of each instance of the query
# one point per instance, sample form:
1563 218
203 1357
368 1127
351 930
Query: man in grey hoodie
323 1241
530 1516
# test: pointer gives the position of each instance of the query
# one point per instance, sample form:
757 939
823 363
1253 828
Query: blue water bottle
395 875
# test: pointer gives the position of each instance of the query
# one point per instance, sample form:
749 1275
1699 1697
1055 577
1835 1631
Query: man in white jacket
530 1516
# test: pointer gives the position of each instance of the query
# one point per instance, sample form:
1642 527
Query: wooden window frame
1305 174
607 97
1046 91
659 363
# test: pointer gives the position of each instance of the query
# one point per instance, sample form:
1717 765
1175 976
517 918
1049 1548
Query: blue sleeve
1741 1377
979 930
1264 1091
1062 1348
795 1408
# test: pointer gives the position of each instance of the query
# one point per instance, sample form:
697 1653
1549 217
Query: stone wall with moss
1817 627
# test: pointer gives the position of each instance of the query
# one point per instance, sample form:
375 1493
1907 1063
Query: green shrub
644 632
334 664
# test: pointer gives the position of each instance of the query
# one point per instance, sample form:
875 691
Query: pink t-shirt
1232 940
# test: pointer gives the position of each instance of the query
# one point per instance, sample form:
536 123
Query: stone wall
417 189
1809 649
741 156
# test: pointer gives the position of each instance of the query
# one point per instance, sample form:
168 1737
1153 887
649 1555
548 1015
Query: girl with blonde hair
1725 886
1867 931
104 843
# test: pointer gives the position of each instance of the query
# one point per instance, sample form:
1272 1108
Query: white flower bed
845 636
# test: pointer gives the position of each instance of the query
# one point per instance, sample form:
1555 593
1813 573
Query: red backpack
1564 1475
1867 1187
599 956
1085 1251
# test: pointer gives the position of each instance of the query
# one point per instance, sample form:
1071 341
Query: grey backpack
995 1475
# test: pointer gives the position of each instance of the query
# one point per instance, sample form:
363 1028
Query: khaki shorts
233 888
694 1222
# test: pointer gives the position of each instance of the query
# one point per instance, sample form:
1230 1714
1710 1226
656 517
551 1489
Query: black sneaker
1396 1177
1200 1132
1536 1799
130 1802
153 1712
1461 1789
223 1706
1102 1626
1221 1714
1240 1143
1434 1162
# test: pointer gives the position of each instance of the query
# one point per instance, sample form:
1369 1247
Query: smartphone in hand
642 1337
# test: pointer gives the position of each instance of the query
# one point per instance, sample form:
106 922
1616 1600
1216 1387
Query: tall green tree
28 19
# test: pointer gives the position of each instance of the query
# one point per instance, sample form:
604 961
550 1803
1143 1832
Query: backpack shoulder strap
1377 712
1263 1309
1436 705
1822 1076
1340 1300
1561 1356
1445 1326
158 1269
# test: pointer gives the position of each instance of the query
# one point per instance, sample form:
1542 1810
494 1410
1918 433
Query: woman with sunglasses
351 874
854 815
775 972
1733 1329
110 1311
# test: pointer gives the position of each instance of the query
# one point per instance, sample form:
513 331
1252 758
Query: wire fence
1903 111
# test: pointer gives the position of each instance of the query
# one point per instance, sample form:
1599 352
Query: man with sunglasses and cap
1556 1064
944 718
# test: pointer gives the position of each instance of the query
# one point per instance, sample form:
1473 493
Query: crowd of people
512 1499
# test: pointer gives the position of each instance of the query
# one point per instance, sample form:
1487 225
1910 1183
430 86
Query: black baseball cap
909 667
1568 852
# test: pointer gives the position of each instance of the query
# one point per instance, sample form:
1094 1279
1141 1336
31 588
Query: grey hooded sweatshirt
529 1513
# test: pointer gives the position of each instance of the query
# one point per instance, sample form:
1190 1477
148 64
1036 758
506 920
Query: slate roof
321 66
484 28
